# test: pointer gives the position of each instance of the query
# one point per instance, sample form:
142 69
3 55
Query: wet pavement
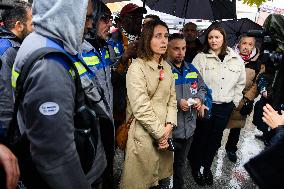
227 175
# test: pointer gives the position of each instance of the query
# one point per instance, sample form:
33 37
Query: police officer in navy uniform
50 85
17 25
97 57
8 161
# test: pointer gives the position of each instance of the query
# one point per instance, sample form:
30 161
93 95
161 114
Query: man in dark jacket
8 161
97 57
190 92
193 45
17 25
267 168
126 39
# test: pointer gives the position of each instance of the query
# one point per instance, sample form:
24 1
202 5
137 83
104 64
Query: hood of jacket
62 20
100 10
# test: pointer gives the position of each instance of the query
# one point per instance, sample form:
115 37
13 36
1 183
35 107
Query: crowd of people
67 83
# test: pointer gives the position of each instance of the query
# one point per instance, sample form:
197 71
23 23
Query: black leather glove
247 107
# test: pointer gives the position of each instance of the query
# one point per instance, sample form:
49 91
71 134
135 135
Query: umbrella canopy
234 28
196 9
112 1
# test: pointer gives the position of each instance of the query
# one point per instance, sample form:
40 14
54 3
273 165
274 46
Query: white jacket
226 79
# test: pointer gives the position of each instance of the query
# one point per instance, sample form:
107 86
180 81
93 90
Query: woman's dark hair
144 48
152 16
224 45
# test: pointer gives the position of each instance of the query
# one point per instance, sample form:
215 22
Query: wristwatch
174 126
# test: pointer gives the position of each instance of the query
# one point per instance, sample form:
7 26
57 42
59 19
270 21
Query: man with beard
97 57
47 112
190 92
125 39
9 170
17 25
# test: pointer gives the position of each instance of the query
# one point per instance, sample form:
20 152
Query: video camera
271 55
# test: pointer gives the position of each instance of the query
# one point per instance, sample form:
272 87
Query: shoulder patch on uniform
175 75
49 108
191 75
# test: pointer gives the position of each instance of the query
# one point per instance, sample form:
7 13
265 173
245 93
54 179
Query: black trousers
199 143
233 139
208 136
107 134
182 147
163 184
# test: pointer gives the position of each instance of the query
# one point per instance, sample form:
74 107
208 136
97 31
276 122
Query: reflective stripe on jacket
188 84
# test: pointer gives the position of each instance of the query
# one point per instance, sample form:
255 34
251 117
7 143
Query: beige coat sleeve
172 105
140 102
252 93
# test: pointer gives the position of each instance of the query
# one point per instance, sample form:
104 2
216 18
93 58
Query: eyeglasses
106 18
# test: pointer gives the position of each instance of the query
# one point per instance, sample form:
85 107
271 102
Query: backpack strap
13 132
5 44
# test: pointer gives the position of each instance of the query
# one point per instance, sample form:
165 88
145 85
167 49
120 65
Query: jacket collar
7 34
185 64
230 54
154 65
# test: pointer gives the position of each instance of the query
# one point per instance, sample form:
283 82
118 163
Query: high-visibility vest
77 61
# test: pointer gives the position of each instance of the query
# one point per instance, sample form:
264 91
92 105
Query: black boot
198 177
208 176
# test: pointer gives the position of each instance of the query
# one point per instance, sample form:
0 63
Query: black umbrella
196 9
111 1
234 28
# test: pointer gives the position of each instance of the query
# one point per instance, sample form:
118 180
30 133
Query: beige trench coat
153 103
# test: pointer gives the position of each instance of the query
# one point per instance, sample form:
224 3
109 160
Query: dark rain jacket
50 85
9 45
267 168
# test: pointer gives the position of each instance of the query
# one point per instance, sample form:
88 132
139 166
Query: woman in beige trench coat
152 101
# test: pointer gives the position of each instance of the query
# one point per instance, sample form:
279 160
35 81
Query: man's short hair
17 13
152 16
240 38
176 36
190 24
